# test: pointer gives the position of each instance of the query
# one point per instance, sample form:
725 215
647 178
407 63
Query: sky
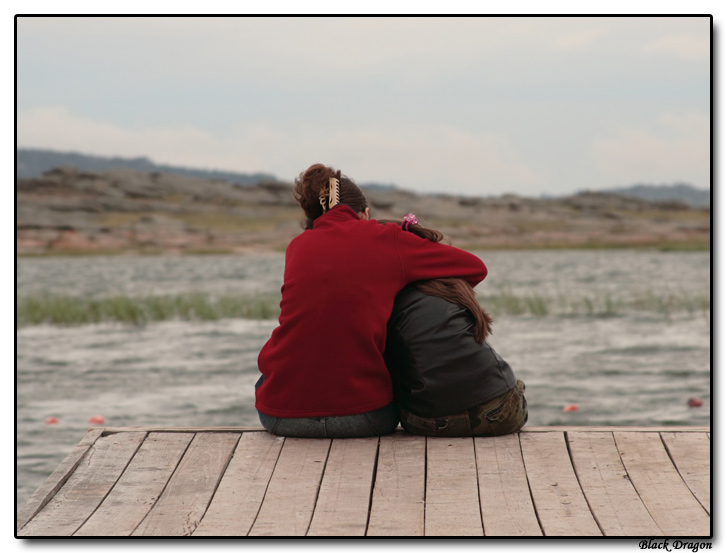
467 105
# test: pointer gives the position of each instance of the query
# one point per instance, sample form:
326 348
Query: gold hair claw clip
331 193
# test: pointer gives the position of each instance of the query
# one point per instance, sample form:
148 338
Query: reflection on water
631 369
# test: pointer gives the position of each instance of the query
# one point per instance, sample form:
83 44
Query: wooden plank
531 429
526 429
84 490
672 483
342 508
184 429
397 503
139 487
452 501
691 455
242 489
506 505
666 496
55 481
559 501
604 481
291 497
189 491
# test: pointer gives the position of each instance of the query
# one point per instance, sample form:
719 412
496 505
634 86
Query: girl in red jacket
323 372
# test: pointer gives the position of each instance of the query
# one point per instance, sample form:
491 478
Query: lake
623 334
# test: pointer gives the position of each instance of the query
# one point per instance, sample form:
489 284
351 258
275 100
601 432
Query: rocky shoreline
66 211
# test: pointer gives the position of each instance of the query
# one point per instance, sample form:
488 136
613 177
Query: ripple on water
634 369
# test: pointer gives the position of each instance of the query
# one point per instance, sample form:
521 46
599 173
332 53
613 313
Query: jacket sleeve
422 259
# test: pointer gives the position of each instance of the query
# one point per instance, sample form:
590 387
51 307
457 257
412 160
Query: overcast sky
477 106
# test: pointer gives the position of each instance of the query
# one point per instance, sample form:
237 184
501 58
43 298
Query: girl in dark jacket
323 371
448 381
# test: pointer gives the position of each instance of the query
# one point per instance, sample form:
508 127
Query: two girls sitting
379 324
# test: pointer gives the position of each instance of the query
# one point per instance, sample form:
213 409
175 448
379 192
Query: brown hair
308 188
455 290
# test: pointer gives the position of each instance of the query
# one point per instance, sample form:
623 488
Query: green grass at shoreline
69 310
196 306
505 302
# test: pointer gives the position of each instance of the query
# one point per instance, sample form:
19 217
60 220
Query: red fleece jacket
341 277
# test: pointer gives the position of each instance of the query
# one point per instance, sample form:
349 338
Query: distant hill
71 211
32 163
694 197
377 186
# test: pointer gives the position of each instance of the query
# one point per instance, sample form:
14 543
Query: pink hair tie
409 219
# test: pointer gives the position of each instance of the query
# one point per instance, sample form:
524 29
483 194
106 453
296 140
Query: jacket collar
337 214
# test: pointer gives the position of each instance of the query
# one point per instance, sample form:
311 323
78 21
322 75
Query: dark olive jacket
436 365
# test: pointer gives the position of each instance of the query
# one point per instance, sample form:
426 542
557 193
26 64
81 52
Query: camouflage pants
504 414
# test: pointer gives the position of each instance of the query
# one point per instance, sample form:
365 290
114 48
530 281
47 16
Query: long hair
454 290
308 188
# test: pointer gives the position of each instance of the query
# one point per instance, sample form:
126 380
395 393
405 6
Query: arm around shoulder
422 260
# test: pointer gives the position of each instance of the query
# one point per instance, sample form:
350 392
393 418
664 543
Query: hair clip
331 193
409 219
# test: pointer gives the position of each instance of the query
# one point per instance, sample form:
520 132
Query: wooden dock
544 481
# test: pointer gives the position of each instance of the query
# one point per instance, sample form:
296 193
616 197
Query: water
140 276
634 368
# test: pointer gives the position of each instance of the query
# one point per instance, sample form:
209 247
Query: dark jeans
374 423
502 415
